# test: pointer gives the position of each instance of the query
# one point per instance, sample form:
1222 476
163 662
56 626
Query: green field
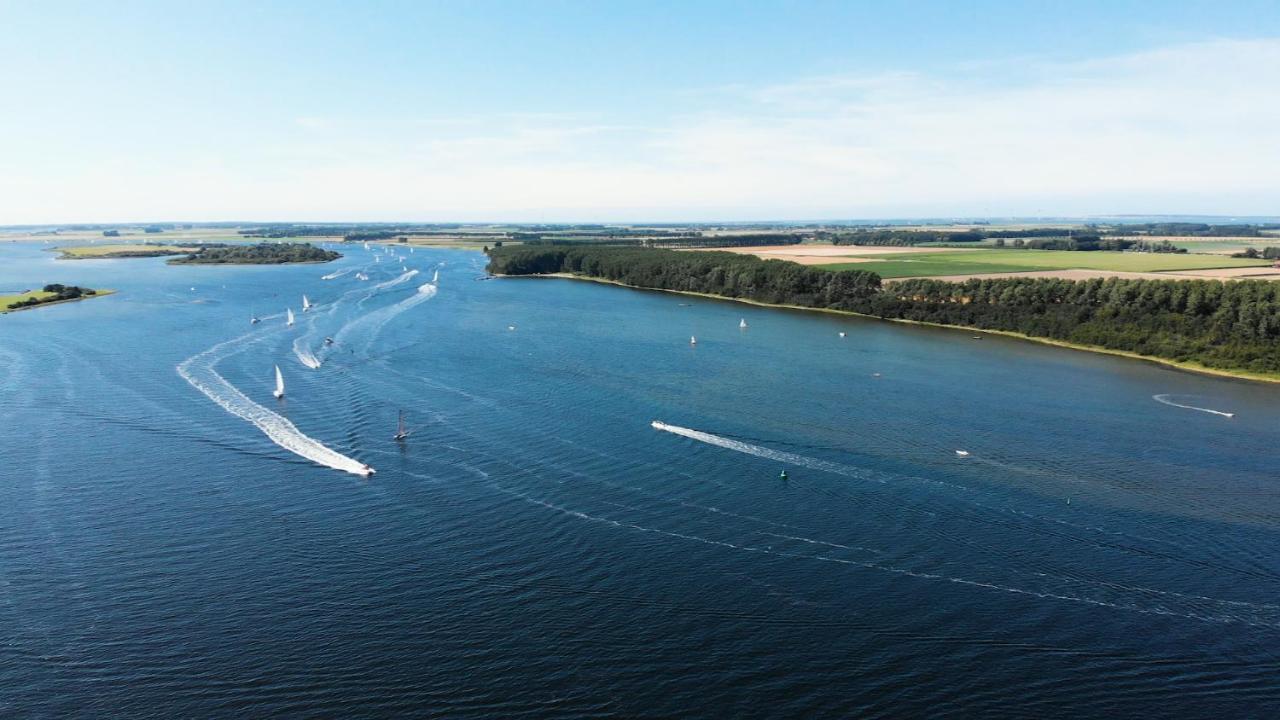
968 262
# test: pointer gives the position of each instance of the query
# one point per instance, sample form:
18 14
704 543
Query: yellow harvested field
825 254
1256 273
1221 274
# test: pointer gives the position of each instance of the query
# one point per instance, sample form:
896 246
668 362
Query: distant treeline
1228 325
1270 253
1092 242
263 254
670 240
60 292
1191 229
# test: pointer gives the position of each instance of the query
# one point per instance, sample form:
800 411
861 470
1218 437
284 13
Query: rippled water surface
174 541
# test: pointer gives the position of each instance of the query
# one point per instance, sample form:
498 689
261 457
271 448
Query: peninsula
1210 325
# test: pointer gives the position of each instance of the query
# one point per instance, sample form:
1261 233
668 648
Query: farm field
992 261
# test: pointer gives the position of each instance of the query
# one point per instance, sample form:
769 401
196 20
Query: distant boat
401 431
366 246
253 319
306 304
361 276
511 327
435 277
693 340
962 453
279 391
328 341
742 323
289 316
841 334
366 471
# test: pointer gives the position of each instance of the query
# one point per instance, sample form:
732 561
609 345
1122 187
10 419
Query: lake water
536 549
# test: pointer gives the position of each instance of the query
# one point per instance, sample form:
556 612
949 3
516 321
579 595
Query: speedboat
328 341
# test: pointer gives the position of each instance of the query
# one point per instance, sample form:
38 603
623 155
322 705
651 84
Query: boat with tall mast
288 316
279 391
402 432
306 304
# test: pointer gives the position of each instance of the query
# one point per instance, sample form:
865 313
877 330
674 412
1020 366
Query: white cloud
1186 129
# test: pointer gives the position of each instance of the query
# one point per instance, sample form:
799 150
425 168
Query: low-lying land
99 252
1231 328
49 295
262 254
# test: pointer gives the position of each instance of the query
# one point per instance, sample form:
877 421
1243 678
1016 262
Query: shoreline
1173 364
96 293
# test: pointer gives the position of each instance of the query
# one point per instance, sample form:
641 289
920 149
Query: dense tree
264 254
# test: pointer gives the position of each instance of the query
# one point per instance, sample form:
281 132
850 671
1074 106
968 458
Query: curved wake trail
762 452
337 274
1164 400
201 373
374 322
304 354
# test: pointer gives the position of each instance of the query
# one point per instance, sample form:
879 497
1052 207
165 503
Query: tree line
1228 325
262 254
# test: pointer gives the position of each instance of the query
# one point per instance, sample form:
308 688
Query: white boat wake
201 372
762 452
337 274
1164 399
372 323
304 354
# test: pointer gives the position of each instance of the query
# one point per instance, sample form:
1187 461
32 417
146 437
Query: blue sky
632 111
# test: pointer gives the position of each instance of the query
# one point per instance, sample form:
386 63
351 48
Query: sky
636 111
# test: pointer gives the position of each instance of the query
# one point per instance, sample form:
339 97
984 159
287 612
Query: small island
262 254
48 295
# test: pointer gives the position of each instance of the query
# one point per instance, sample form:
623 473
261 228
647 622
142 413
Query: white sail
435 278
279 393
742 323
306 304
693 340
289 315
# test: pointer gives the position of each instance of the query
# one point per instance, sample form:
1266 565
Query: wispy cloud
1190 128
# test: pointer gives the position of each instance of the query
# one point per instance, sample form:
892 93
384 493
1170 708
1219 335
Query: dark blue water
537 549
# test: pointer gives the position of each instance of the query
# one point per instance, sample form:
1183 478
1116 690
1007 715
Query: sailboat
306 304
279 391
693 340
742 323
435 277
401 431
289 316
253 319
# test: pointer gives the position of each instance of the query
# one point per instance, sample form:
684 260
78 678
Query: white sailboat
435 277
288 316
693 340
742 323
279 391
402 432
306 304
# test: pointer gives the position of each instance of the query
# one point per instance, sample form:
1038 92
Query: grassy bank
1180 365
101 252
